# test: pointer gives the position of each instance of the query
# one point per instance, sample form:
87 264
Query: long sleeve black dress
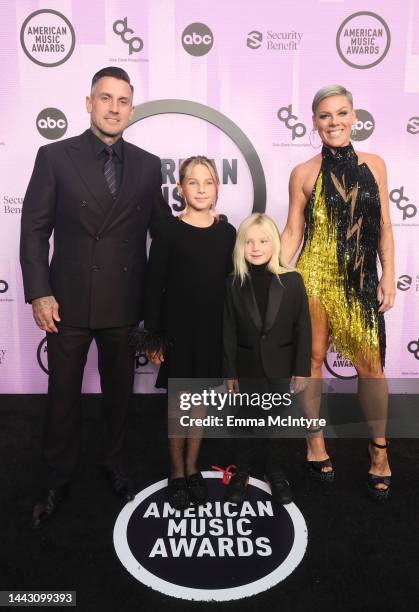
186 277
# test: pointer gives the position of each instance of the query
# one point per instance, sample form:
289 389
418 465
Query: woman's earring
313 139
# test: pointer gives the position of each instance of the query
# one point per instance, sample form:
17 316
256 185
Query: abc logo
197 39
51 123
363 126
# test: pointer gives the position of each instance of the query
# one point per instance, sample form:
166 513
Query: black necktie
110 172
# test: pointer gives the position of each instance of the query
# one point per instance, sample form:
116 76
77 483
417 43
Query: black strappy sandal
315 468
373 480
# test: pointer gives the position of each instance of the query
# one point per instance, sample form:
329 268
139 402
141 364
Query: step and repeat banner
230 80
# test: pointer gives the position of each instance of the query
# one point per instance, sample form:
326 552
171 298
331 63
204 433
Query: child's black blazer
279 348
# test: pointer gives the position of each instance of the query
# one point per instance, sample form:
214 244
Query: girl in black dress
190 258
267 341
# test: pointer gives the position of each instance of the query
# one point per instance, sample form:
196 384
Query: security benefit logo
412 126
47 38
275 40
217 552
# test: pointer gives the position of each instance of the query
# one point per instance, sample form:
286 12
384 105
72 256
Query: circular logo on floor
216 552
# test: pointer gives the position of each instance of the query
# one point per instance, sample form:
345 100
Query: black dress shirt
261 281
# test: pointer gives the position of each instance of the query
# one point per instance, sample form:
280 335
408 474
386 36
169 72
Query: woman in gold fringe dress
339 205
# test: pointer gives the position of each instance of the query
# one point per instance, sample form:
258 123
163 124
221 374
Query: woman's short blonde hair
275 264
331 90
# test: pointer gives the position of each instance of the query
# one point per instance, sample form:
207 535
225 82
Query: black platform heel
315 468
380 495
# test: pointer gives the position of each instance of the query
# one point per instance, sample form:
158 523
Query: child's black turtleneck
261 280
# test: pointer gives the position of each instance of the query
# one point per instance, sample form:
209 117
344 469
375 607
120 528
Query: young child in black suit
266 340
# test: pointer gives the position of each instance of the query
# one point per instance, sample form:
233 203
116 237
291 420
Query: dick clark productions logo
47 38
120 28
363 40
217 552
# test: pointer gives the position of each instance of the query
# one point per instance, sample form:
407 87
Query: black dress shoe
178 494
197 488
44 510
236 488
121 484
280 487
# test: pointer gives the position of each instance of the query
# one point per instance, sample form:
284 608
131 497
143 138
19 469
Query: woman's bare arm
386 290
292 234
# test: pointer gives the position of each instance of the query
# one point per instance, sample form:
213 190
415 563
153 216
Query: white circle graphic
144 576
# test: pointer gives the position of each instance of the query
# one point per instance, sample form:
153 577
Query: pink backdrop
245 60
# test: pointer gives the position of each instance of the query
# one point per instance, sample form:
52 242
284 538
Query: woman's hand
232 385
386 293
299 383
156 358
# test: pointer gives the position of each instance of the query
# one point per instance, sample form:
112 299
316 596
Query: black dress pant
250 448
67 354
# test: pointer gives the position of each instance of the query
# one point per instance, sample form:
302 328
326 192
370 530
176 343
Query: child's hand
156 358
232 385
299 383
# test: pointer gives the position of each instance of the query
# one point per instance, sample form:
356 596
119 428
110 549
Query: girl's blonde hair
188 164
275 264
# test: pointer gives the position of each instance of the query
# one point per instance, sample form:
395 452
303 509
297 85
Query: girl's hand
232 385
299 383
156 358
386 293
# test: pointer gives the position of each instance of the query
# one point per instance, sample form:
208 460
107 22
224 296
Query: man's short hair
114 72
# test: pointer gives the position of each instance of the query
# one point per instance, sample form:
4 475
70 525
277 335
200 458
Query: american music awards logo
216 552
338 365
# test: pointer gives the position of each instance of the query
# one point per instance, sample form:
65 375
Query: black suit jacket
279 348
97 268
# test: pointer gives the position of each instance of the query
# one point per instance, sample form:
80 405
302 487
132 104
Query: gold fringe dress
338 260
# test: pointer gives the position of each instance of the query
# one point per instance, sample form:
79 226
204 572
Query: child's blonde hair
275 264
187 166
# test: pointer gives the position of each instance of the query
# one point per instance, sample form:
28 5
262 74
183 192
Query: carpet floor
360 555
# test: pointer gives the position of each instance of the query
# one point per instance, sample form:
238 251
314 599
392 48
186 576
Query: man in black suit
99 195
